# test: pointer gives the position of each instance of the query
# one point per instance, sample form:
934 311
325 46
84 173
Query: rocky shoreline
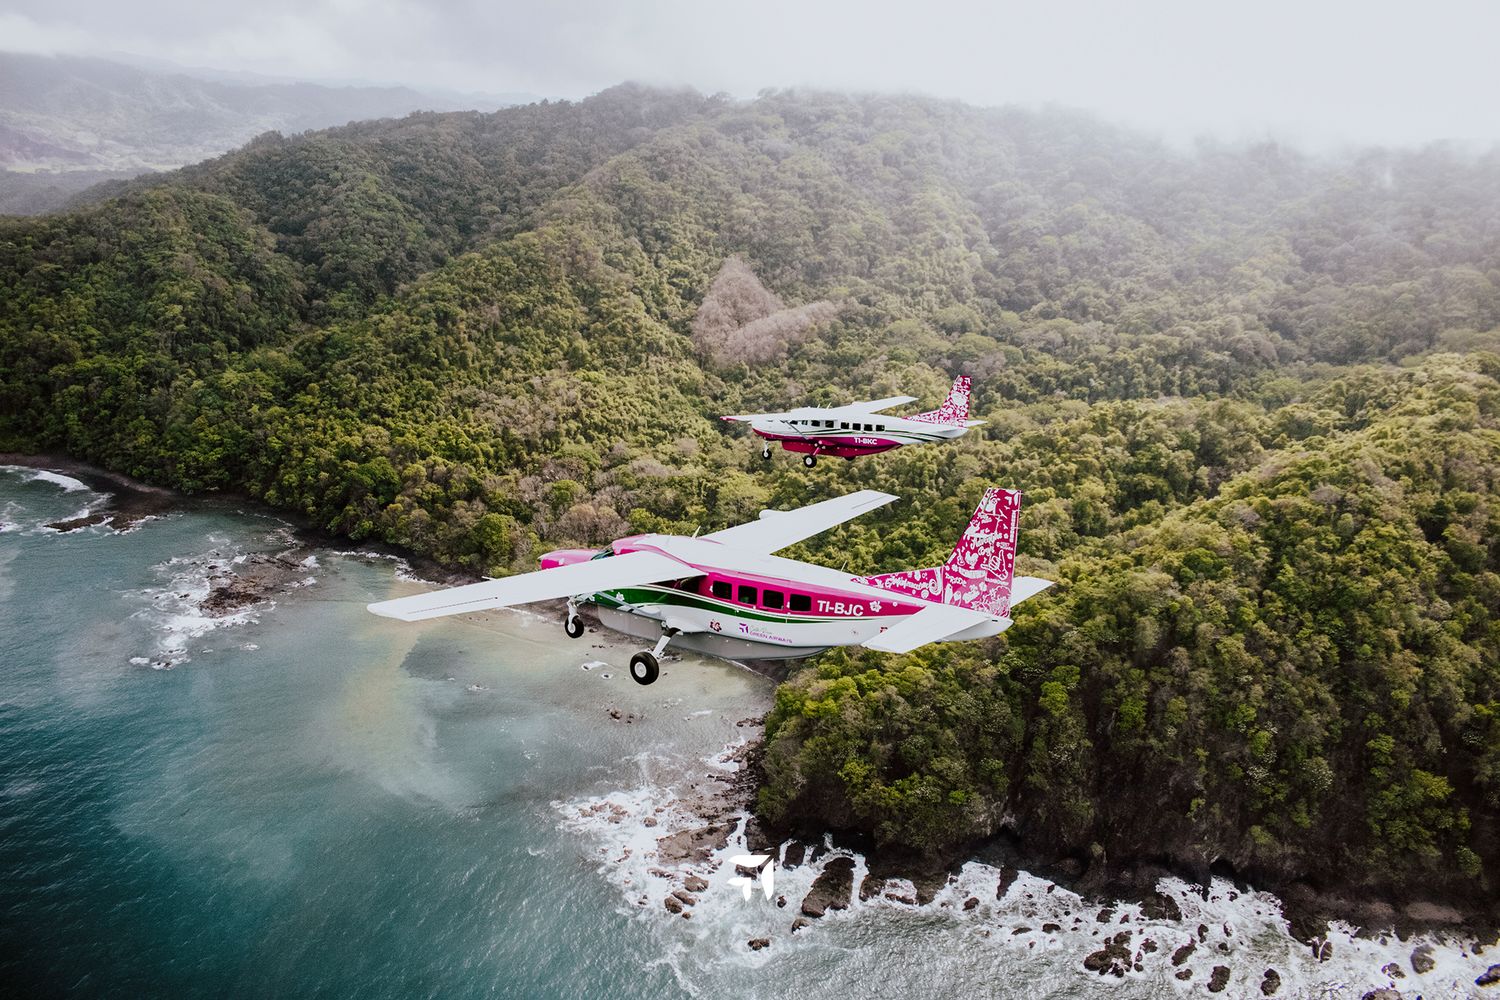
1126 922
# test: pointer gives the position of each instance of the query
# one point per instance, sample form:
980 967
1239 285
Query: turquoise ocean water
305 800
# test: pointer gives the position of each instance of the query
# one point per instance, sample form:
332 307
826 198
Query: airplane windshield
603 553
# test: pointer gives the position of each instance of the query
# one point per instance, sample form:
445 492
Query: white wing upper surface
628 570
876 405
777 529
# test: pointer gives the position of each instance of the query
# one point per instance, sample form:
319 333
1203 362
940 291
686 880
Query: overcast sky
1321 72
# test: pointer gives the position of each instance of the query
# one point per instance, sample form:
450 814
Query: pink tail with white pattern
978 574
955 409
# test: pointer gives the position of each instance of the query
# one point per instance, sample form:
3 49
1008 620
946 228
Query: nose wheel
809 460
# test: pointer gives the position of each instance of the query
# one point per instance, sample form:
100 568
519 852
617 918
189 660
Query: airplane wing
777 529
932 624
876 405
628 570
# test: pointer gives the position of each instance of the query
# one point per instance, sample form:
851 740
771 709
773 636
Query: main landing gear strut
644 668
572 624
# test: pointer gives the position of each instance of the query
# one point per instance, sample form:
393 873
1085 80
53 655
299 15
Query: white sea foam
403 568
175 610
67 483
1035 920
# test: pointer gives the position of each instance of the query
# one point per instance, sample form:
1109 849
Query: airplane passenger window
747 594
801 602
880 427
843 426
771 598
721 589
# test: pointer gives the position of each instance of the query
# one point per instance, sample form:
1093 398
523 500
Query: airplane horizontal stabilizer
933 623
628 570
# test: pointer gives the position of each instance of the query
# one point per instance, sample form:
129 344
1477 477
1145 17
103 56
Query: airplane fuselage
747 615
810 431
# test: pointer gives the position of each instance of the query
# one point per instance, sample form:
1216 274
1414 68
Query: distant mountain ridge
62 114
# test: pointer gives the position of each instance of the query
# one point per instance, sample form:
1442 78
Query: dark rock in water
1113 959
686 898
1489 977
74 524
1422 960
872 886
693 846
673 904
1322 950
694 884
780 902
756 944
1051 928
800 923
971 902
1160 906
832 889
1271 984
757 839
1106 915
1184 974
795 853
1023 929
1218 980
1008 876
1202 932
1393 970
1382 994
1181 954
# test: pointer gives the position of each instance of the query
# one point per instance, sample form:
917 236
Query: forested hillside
1251 398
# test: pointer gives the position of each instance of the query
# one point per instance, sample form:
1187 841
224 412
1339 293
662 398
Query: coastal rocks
1008 876
756 944
693 846
832 889
796 852
1489 977
254 579
1160 906
1422 961
694 883
1218 980
1385 994
1270 984
1393 970
1113 959
1182 954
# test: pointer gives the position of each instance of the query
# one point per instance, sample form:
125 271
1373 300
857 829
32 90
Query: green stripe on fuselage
637 596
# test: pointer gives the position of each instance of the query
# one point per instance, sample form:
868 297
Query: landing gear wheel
765 453
573 625
643 668
809 460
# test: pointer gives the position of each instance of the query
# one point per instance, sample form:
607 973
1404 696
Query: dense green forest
1252 399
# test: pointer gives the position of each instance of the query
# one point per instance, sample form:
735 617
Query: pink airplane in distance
860 428
726 595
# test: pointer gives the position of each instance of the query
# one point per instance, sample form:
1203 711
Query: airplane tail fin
980 572
955 409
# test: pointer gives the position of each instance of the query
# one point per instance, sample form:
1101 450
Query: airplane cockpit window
721 589
603 553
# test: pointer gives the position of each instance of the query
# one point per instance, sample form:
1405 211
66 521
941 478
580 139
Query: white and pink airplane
726 595
860 428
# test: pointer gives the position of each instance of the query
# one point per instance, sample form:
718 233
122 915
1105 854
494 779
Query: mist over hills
69 121
1252 399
